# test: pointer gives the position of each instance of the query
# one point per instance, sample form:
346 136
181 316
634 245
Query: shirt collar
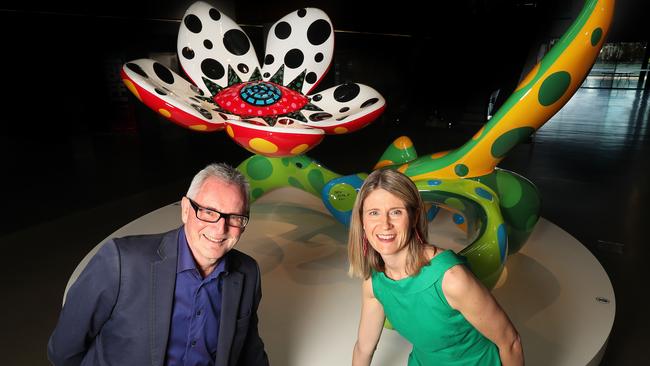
186 260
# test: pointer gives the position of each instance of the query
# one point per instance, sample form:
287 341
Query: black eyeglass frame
225 216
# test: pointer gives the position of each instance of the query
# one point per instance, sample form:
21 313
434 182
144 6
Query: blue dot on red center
260 94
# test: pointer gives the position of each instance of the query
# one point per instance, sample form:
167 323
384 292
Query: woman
427 294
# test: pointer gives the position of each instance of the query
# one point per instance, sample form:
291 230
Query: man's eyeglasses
210 215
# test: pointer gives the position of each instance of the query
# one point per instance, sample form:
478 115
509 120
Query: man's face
211 241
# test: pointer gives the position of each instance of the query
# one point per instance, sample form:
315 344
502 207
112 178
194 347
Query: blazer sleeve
252 353
89 304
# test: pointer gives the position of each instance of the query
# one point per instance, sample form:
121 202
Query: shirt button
198 313
193 343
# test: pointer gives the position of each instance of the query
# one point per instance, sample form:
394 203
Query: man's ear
185 209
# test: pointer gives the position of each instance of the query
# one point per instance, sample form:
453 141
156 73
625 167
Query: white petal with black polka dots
171 88
209 42
343 104
302 41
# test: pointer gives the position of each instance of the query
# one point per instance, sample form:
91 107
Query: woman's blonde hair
396 183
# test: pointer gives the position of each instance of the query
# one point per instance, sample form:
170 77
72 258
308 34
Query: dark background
68 118
81 156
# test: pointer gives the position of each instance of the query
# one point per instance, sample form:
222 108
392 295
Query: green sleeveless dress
418 310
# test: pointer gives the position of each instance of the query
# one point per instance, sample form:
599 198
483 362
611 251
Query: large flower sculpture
267 110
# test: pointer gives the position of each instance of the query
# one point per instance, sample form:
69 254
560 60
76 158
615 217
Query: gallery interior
82 157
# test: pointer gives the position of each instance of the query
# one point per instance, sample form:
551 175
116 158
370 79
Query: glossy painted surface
170 95
220 60
302 42
279 141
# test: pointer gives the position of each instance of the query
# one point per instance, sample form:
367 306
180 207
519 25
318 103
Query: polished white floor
554 290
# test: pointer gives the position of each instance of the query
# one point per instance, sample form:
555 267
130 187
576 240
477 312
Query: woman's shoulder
442 255
440 261
459 286
431 251
457 280
367 287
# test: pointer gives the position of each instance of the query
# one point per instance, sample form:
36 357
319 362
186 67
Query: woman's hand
370 326
467 295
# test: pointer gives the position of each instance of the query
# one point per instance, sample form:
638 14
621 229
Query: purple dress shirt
196 309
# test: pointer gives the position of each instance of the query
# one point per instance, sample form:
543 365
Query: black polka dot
269 59
204 112
161 92
207 44
342 118
266 75
136 69
318 32
317 117
212 69
193 23
369 102
195 89
302 13
236 42
188 53
214 14
194 99
319 57
294 58
163 73
243 68
317 97
223 116
283 30
311 77
346 92
344 109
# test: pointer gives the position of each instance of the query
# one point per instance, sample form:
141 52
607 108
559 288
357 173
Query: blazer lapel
163 279
232 288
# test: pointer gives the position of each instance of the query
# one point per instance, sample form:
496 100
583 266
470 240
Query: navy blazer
118 312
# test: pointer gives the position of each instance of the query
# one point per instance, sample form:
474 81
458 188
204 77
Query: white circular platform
554 290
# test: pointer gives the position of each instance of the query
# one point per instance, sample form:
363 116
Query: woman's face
385 222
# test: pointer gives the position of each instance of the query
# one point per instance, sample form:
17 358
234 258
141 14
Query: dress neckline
424 268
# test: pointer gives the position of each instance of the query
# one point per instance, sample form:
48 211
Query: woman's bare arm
466 294
370 326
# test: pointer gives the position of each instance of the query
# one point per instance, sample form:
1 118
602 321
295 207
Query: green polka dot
256 193
296 183
553 88
300 162
595 36
342 197
316 180
455 203
461 170
510 139
530 223
286 161
259 168
510 190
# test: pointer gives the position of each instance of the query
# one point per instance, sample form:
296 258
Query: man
185 297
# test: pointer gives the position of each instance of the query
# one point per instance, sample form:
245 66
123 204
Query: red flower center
260 99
